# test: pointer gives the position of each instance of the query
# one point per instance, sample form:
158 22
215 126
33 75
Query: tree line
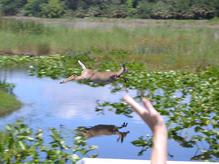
155 9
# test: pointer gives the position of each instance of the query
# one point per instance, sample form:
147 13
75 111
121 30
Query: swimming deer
99 77
99 130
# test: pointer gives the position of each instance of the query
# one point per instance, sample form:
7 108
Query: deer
95 76
101 129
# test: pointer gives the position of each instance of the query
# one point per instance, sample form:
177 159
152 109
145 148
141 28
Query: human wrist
160 129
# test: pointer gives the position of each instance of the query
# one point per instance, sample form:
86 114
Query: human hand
148 113
156 124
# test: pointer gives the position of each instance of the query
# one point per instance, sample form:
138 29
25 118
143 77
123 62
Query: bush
11 7
158 9
115 11
52 9
201 11
32 7
162 10
144 9
94 11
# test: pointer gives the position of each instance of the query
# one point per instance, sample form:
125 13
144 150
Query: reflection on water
102 129
48 104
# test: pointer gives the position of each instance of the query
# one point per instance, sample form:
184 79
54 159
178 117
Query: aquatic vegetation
8 101
189 101
21 144
143 143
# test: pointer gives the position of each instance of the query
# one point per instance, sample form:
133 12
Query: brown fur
95 76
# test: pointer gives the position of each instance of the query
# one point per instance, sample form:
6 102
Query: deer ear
124 124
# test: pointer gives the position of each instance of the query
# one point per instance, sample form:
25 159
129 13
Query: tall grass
160 46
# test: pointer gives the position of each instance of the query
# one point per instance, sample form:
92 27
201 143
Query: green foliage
144 143
115 11
202 11
189 101
119 108
198 113
162 10
8 101
52 9
44 8
11 7
33 7
20 144
6 86
131 7
182 9
162 45
144 9
28 27
159 9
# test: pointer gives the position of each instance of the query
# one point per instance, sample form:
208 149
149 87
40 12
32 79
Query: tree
11 7
32 8
52 9
131 7
201 11
162 10
217 7
144 9
71 4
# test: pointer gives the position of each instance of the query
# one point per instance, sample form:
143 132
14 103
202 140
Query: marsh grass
160 47
8 103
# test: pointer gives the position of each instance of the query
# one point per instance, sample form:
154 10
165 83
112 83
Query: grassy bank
160 47
8 102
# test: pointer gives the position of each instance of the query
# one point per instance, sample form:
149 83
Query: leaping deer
99 77
99 130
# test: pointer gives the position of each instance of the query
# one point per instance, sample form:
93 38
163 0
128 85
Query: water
46 104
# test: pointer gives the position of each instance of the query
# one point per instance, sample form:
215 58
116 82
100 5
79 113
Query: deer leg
121 135
68 79
81 77
72 77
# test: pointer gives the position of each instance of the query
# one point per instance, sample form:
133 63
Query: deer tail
82 65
